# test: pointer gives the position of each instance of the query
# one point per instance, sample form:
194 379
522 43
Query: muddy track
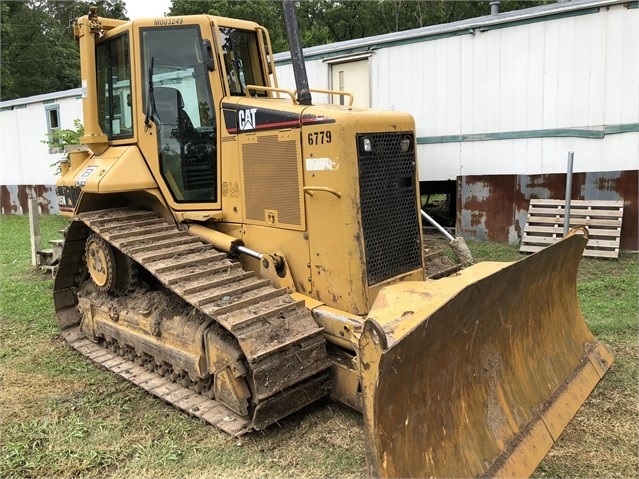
281 350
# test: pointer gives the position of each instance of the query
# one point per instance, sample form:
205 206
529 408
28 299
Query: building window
53 125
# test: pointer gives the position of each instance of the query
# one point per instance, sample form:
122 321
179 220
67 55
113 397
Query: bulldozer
241 252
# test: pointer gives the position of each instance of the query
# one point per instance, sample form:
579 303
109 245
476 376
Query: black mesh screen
390 219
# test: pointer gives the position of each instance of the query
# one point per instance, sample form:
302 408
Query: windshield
242 60
176 57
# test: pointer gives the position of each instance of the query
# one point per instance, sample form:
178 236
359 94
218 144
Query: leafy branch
58 139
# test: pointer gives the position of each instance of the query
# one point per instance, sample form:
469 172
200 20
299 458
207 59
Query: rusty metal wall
495 207
15 199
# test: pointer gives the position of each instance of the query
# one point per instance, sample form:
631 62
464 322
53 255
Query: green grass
608 296
61 416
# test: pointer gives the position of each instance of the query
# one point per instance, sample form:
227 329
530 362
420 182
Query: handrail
335 92
293 94
247 88
267 49
309 190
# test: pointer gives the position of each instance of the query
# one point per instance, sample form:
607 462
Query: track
275 345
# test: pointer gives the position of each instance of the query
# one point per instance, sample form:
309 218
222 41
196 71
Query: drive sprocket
100 262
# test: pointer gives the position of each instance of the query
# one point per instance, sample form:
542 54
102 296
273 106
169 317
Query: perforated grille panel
390 219
272 180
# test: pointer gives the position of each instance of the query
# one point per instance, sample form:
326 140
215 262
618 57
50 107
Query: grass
602 441
63 417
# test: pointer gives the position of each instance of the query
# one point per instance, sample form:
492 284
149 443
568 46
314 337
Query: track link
283 347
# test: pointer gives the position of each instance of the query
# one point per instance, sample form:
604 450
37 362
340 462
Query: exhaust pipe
297 56
87 30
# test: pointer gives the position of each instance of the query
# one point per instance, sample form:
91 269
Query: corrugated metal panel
495 207
56 95
539 76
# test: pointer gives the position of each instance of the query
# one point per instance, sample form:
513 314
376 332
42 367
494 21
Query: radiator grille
272 180
390 220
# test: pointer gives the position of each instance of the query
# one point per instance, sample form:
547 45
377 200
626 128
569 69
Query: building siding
498 101
28 169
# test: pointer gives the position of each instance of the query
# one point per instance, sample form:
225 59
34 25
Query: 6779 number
319 137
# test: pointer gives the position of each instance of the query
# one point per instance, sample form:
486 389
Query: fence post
34 227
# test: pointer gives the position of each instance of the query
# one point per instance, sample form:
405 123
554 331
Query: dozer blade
478 374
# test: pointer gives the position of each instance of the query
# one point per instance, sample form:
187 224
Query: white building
498 101
27 164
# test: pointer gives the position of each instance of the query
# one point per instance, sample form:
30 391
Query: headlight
367 145
406 144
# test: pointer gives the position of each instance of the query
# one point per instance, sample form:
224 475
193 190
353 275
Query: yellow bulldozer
241 252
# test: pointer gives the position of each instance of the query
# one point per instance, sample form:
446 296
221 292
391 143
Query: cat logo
246 119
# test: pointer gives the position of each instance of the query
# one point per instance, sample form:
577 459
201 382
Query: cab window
242 60
115 112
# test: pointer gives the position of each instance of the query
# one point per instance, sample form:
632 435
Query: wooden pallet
545 225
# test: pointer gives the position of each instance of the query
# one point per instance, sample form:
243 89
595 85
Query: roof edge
454 27
41 98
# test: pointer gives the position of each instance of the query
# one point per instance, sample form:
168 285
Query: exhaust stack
86 30
297 56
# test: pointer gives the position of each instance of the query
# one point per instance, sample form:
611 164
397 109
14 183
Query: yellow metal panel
147 136
272 179
461 386
524 458
526 454
346 385
291 244
331 175
231 192
117 169
564 406
128 172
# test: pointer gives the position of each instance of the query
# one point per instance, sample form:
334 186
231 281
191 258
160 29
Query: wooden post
34 226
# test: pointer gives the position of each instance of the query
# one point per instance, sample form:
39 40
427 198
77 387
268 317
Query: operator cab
185 71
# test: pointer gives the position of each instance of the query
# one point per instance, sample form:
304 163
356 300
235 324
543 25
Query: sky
146 9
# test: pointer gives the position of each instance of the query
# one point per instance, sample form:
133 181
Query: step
183 278
237 320
208 282
192 259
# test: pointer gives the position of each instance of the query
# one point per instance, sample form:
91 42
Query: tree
59 139
326 21
267 13
38 51
39 54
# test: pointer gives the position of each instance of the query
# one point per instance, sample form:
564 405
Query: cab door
177 98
